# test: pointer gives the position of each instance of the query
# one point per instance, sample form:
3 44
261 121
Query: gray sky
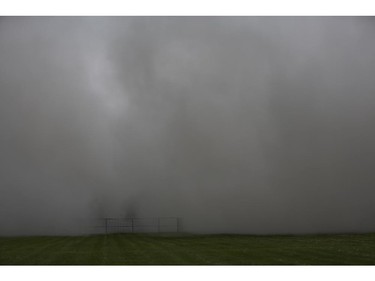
248 125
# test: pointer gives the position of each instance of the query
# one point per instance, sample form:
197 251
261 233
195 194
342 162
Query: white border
187 273
186 8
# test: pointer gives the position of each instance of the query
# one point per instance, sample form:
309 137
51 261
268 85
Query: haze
236 124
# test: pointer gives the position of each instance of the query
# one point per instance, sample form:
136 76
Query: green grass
147 249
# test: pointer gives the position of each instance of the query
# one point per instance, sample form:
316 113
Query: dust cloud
235 124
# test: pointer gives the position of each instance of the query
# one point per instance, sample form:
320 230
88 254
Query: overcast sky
235 124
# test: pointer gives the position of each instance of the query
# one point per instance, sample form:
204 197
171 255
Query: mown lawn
147 249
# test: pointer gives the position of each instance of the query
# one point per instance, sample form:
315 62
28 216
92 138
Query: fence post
158 225
132 225
106 226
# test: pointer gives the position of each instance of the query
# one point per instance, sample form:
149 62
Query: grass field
147 249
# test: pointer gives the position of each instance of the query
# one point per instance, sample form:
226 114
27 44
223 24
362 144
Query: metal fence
139 225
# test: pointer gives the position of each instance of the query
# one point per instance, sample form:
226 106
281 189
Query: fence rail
139 225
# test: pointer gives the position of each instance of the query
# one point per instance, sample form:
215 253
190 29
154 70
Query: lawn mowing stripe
142 253
32 252
131 252
64 254
189 249
166 252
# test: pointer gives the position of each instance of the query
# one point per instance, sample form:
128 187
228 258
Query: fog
236 124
